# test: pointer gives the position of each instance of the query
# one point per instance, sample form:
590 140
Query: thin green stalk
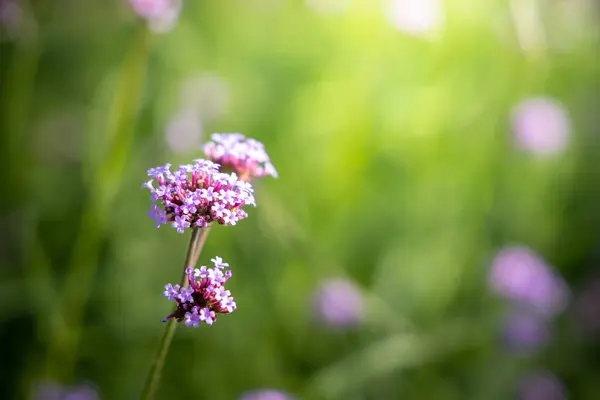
195 248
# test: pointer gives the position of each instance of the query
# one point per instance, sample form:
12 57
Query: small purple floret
171 291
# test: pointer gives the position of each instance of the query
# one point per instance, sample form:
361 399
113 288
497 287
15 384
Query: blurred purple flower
184 132
587 307
541 386
265 394
415 17
150 9
204 298
55 391
541 126
245 156
523 332
160 14
11 16
339 303
520 275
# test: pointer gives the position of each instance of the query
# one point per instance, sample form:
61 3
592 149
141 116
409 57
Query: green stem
195 248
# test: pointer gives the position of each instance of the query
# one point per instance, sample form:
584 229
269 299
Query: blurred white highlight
184 132
528 24
416 17
207 94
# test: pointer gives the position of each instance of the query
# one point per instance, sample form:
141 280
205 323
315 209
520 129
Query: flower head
55 391
338 303
194 196
520 275
11 19
541 126
265 394
541 386
204 298
247 157
523 332
160 14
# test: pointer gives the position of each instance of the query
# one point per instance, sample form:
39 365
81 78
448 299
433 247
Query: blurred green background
398 171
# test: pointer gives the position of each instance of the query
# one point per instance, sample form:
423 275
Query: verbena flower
55 391
160 14
196 195
541 126
338 303
247 157
205 297
541 386
152 9
266 394
523 332
520 275
11 19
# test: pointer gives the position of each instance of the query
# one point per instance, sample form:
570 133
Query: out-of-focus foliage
402 168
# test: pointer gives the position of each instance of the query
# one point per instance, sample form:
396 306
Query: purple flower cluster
538 294
247 157
196 195
520 275
204 298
